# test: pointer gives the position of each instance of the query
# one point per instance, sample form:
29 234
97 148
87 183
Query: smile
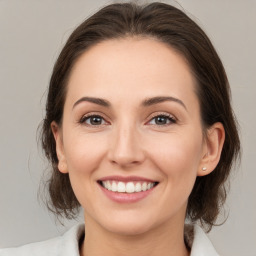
125 190
127 187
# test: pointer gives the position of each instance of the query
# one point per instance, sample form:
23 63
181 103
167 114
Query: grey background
32 33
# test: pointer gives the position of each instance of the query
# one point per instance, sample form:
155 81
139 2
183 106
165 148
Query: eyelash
90 116
169 118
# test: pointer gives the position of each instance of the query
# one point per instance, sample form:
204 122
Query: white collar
68 244
198 241
195 238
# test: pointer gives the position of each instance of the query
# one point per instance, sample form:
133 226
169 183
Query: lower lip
126 197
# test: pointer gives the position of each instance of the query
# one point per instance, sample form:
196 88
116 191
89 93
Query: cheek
179 158
84 155
84 152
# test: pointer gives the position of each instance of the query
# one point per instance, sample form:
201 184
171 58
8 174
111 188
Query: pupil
161 120
96 120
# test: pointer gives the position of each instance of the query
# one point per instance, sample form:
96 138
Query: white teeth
104 183
108 185
121 187
114 187
144 186
129 187
138 187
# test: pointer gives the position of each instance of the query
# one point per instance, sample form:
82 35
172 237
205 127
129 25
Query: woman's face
131 138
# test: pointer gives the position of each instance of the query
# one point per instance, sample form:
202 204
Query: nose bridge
125 144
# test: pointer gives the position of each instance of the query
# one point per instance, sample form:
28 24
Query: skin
129 140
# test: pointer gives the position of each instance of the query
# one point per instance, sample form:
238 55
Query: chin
128 223
130 228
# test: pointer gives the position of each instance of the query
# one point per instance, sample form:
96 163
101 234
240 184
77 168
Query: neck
165 240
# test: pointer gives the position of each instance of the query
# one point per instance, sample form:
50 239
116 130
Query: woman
140 133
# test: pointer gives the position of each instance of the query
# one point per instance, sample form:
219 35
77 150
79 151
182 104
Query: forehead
130 67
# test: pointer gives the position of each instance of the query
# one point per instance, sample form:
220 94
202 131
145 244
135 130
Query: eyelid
172 118
91 114
164 114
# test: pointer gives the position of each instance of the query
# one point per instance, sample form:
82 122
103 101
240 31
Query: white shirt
68 244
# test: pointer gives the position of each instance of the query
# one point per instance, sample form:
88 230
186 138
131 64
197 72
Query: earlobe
56 130
214 142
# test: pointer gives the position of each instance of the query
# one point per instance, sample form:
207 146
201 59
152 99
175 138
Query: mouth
125 190
127 186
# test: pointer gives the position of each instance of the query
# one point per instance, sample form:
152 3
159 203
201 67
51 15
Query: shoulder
198 241
67 244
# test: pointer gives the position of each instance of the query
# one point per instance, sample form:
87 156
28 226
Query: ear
214 141
57 133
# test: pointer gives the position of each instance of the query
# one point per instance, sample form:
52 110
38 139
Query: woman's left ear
214 142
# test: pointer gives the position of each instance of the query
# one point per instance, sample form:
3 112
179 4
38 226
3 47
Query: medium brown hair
173 27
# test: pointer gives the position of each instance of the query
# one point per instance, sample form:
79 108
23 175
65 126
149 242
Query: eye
162 120
93 120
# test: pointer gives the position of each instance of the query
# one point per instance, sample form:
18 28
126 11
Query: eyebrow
146 103
97 101
160 99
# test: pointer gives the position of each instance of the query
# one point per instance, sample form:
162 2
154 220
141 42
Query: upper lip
126 178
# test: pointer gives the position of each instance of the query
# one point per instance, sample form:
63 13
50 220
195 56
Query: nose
125 147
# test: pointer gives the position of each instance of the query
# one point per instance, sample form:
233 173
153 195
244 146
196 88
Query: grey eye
161 120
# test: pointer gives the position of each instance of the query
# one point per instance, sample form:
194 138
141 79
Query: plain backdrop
32 33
